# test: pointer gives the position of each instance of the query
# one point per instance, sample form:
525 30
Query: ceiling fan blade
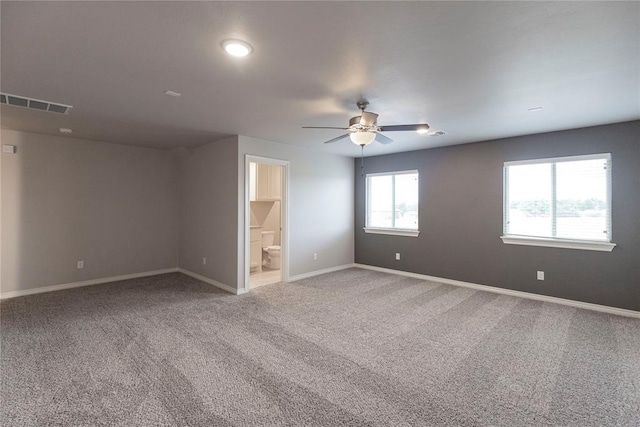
396 128
383 139
321 127
338 138
368 119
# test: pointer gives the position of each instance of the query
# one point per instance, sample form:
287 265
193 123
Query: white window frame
385 230
593 245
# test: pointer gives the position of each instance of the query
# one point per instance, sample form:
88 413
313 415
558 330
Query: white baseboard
319 272
510 292
502 291
13 294
212 282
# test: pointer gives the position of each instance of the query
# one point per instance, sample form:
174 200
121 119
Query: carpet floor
350 348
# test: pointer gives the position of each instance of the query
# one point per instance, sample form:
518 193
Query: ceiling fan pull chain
362 160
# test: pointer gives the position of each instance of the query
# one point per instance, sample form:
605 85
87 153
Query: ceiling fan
364 129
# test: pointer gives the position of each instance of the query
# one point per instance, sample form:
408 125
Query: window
560 202
392 203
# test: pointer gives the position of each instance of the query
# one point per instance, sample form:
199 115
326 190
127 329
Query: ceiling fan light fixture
362 138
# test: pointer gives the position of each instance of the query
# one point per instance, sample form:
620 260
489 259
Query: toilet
270 252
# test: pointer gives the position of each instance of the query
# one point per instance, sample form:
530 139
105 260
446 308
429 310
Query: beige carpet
349 348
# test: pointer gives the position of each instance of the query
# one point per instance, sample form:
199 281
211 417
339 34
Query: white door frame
284 216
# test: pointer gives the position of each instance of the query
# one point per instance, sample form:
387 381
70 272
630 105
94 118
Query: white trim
598 156
392 231
13 294
319 272
211 282
510 292
558 243
404 172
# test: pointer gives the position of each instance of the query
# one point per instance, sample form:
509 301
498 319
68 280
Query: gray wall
208 210
461 219
64 200
320 205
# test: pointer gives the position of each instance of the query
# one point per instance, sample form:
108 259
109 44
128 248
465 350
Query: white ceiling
471 69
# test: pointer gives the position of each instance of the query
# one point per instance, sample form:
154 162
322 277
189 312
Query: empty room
319 213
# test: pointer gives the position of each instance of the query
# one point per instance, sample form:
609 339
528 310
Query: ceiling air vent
437 133
34 104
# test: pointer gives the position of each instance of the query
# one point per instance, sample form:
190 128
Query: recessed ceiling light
237 48
66 131
172 93
422 131
533 109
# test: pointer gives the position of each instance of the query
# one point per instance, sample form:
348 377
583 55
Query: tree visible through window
392 200
562 198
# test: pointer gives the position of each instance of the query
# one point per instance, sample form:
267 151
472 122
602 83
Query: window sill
558 243
392 231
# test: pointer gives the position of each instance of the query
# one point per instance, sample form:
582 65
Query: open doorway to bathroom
266 221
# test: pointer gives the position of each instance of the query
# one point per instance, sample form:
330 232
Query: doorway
265 221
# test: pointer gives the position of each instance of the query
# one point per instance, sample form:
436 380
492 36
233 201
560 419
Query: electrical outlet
540 275
315 257
204 260
397 256
80 265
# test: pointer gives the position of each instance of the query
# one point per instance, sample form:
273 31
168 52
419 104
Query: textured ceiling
471 69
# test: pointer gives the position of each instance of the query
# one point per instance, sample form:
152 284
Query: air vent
38 105
18 102
437 133
34 104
